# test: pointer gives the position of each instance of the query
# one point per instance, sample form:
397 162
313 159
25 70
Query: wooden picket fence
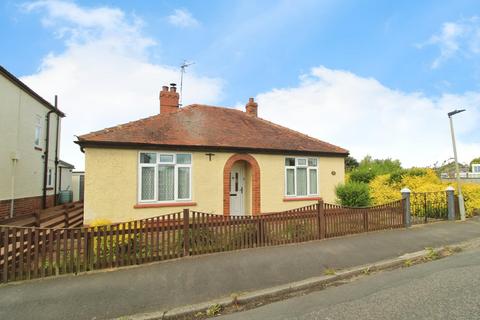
31 252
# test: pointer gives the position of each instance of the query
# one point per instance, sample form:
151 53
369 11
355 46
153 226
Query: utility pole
461 202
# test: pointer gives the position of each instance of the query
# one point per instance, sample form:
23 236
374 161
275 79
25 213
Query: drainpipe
12 195
45 158
56 153
15 160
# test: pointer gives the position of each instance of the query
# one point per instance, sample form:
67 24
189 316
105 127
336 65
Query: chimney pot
165 88
251 108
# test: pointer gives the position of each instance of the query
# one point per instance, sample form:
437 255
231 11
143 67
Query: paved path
445 289
164 285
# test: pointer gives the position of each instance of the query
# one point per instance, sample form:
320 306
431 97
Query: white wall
76 184
18 114
66 179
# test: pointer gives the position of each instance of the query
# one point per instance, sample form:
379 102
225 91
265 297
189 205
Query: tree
350 163
369 168
380 166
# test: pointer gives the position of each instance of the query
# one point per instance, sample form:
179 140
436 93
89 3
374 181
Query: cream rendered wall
112 176
272 181
18 111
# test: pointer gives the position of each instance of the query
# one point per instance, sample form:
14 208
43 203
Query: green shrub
380 166
353 194
397 176
362 175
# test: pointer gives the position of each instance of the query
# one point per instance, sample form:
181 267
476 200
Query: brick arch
255 181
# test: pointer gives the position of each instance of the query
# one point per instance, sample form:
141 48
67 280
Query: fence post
406 207
65 218
261 231
365 220
36 215
450 202
321 219
186 232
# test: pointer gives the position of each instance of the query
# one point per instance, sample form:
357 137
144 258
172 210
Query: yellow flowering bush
428 183
100 222
383 190
471 194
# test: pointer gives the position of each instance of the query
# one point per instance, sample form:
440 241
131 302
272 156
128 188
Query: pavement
444 289
191 280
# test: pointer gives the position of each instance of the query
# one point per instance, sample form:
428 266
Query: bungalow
205 158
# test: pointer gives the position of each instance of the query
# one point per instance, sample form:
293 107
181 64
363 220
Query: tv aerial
184 65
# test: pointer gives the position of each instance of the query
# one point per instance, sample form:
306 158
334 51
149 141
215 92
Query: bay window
164 177
301 177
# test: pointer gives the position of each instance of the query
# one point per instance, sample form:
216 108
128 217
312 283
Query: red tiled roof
201 126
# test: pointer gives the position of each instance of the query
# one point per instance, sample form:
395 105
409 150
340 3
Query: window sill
163 205
38 148
285 199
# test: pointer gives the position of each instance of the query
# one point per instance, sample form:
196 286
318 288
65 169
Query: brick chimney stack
251 107
169 99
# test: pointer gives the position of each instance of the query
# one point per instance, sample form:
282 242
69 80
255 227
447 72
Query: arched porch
234 186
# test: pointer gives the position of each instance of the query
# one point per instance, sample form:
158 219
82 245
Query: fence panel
32 252
342 221
69 215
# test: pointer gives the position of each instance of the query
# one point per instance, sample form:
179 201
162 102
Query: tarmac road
444 289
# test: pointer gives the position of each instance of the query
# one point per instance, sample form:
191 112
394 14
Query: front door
237 188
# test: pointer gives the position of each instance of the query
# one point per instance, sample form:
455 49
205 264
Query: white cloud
182 18
366 117
460 37
104 76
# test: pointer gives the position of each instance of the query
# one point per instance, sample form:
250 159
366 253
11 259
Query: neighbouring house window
301 177
50 177
38 130
476 168
164 176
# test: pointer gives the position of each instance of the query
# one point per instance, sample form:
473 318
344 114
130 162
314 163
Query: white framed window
301 177
476 168
38 131
164 176
50 177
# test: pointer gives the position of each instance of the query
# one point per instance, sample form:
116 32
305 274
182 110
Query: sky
376 78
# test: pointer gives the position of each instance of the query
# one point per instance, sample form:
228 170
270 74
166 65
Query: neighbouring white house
78 185
30 168
475 171
468 173
65 173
